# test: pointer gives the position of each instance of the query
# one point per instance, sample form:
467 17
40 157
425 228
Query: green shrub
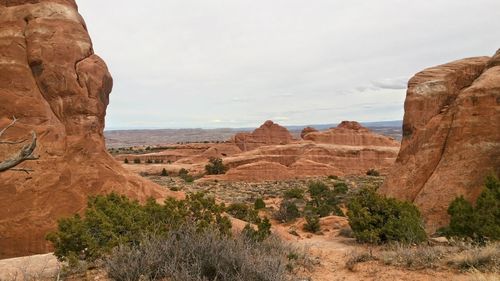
376 219
125 161
243 212
373 173
324 201
259 204
340 188
164 172
294 193
184 174
216 167
480 222
149 161
137 161
287 212
312 223
263 231
317 189
114 220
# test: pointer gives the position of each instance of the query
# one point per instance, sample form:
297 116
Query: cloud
186 63
392 83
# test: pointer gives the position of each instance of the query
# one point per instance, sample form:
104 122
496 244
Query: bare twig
27 171
14 120
24 154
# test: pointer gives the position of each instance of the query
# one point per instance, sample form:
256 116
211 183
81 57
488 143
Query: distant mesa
268 133
451 136
306 131
269 153
350 133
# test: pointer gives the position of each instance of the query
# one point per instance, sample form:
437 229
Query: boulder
306 131
269 133
451 136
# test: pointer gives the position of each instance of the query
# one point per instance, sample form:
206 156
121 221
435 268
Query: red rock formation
268 134
451 136
305 159
52 81
306 131
351 133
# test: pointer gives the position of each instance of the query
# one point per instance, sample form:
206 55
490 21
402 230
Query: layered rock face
347 149
350 133
52 81
306 131
451 136
268 134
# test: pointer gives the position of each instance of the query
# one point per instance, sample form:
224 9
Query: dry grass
416 257
484 259
479 276
356 257
187 255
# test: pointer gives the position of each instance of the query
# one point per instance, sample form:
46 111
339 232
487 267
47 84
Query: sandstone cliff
52 81
268 134
451 136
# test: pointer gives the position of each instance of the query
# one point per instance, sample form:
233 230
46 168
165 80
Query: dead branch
24 154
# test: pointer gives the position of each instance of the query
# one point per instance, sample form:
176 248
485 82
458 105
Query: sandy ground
330 250
37 267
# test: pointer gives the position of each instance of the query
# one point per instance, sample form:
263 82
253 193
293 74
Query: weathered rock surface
304 159
349 149
306 131
52 81
268 134
451 136
351 133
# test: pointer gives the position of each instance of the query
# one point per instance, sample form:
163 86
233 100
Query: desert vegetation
376 219
215 166
180 240
481 221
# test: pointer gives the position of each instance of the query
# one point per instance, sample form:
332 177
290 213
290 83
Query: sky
237 63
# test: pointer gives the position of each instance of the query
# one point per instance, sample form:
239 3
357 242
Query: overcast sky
237 63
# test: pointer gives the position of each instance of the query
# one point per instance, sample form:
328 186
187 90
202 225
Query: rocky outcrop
351 133
306 131
451 136
269 133
306 159
52 81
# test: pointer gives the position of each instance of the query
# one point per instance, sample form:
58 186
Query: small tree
373 173
377 219
259 204
323 201
125 161
263 230
113 220
312 222
294 193
479 222
287 212
216 167
164 172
